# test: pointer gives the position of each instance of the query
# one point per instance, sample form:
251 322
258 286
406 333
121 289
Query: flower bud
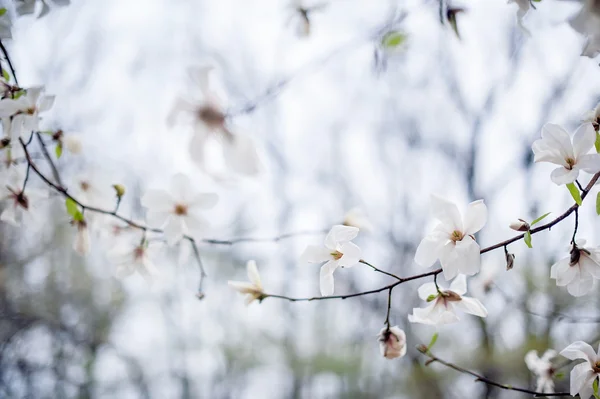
81 245
521 225
392 342
119 189
510 260
5 142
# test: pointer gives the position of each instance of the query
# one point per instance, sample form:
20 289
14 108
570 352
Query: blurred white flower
82 242
591 48
26 7
177 210
337 252
130 258
392 342
444 303
17 203
452 241
578 270
542 368
584 374
26 109
253 289
593 116
556 147
207 116
356 217
524 7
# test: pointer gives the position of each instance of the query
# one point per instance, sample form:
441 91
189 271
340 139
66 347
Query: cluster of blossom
586 22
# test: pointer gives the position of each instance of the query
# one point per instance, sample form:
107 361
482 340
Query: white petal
579 350
475 217
543 153
340 234
459 285
532 361
45 103
326 278
446 212
584 139
351 254
180 187
563 175
198 144
428 250
426 290
204 200
9 107
580 377
253 274
559 139
157 201
469 256
589 163
589 265
241 156
580 286
201 75
472 306
315 254
450 261
157 219
9 215
81 244
242 287
174 230
549 355
423 315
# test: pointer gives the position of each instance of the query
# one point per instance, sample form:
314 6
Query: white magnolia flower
26 109
337 252
26 7
206 114
17 203
593 116
130 258
177 211
356 217
82 242
392 342
253 289
443 304
578 270
72 144
452 241
542 368
584 374
556 147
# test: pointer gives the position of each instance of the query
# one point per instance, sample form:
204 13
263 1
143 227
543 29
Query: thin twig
55 173
364 262
389 308
576 226
10 65
480 378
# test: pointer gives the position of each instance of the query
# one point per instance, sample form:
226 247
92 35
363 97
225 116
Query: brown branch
55 173
10 65
480 378
364 262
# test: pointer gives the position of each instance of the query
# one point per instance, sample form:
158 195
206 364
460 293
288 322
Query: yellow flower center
456 236
337 255
570 163
180 210
30 111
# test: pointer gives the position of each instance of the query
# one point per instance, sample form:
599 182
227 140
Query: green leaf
433 341
595 386
2 11
527 239
598 203
559 376
597 143
18 94
393 39
575 193
58 150
5 75
78 217
431 297
72 208
539 219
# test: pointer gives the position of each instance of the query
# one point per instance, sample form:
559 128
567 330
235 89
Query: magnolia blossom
18 202
254 289
593 116
26 109
578 270
443 303
392 342
131 258
556 147
356 217
452 241
542 368
206 114
338 251
177 211
584 374
82 242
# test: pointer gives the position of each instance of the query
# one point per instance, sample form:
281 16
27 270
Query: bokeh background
339 123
